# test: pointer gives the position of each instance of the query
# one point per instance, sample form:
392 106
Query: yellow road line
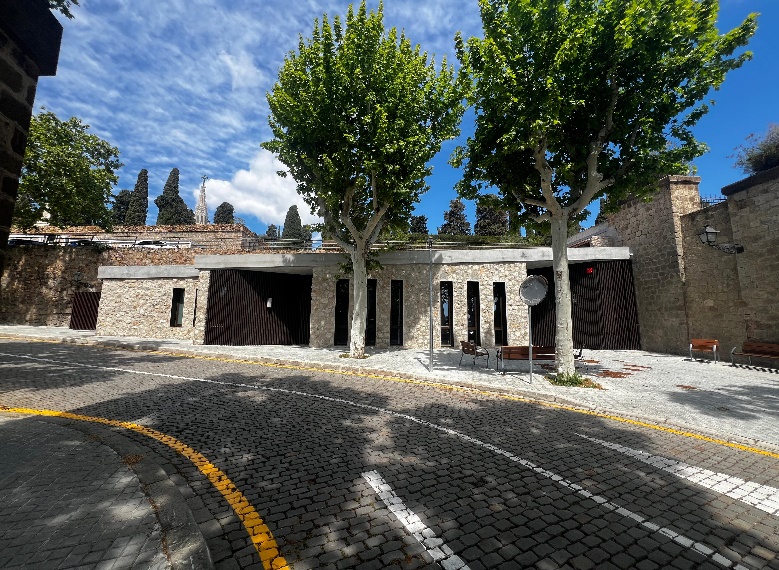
449 387
261 536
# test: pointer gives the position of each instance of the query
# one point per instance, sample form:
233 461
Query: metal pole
530 339
430 272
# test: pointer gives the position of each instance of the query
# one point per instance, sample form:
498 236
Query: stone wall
734 297
38 285
714 304
39 282
141 308
416 302
653 232
30 39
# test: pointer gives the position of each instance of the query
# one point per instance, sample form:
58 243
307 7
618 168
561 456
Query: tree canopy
356 114
63 6
173 211
491 218
418 225
761 154
578 99
293 227
138 207
119 209
272 232
455 222
224 214
67 172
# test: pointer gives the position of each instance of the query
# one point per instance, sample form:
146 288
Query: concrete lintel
301 262
147 272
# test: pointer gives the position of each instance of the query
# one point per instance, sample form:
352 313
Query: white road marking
602 501
434 546
759 496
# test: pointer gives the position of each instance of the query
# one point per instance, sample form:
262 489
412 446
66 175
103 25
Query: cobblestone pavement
68 501
359 472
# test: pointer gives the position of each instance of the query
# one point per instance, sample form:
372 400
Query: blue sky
182 83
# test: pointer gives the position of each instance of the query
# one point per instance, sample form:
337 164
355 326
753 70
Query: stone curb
530 396
185 545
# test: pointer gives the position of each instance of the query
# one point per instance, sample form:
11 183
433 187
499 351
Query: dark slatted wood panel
238 314
603 307
83 317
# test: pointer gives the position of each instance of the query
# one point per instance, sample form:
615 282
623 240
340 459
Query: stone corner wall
30 37
653 232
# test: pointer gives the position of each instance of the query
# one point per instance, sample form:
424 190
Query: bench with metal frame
522 353
757 350
473 350
705 345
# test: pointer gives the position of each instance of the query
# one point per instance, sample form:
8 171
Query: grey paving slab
68 501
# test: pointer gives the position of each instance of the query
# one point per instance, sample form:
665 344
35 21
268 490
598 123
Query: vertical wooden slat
83 316
238 314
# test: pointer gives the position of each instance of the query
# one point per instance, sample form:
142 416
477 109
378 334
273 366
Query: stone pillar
30 39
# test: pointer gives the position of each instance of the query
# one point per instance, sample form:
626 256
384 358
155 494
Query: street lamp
430 273
708 236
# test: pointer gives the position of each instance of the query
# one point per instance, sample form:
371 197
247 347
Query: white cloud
259 191
242 70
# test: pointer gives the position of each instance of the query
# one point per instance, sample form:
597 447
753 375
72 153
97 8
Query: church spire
201 210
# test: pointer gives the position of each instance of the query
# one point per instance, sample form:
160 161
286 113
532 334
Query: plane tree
357 113
581 99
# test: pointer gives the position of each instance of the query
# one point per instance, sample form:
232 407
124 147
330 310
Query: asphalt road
310 469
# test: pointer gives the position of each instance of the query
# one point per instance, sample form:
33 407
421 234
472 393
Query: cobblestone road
354 472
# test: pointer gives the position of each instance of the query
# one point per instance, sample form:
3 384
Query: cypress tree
138 208
455 222
120 207
490 221
224 214
293 227
418 225
272 232
173 211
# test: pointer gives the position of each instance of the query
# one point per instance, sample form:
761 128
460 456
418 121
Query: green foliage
63 6
119 209
224 214
455 222
356 114
138 208
173 211
67 172
293 227
761 154
418 225
577 100
574 380
272 232
491 218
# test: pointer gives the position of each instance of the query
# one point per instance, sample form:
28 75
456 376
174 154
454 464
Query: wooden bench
522 353
473 350
704 345
756 349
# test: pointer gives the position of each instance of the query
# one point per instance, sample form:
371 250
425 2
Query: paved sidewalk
740 403
69 501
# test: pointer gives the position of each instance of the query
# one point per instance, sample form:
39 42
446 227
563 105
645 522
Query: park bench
522 353
471 349
757 350
704 345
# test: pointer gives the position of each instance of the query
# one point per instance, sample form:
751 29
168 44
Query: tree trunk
360 294
562 285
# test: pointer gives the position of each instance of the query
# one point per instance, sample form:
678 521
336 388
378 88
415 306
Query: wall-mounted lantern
269 302
709 237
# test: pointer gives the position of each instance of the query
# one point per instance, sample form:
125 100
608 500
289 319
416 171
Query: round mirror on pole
532 291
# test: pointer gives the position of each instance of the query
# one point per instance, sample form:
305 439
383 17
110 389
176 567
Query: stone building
302 299
686 289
